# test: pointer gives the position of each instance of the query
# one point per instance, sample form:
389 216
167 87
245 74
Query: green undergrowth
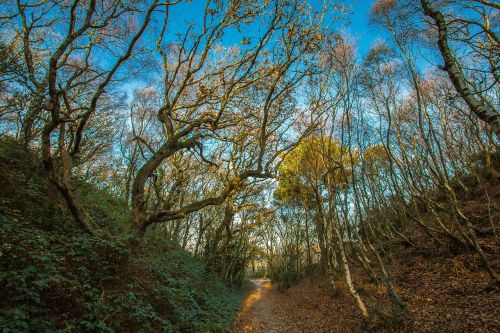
54 278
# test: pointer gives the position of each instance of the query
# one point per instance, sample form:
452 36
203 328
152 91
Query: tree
487 43
211 95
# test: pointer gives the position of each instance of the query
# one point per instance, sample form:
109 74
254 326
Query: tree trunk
347 273
481 110
63 185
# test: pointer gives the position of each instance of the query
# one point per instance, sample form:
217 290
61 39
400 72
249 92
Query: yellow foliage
315 162
375 153
376 158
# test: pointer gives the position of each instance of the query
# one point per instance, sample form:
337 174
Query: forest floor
444 291
305 307
443 295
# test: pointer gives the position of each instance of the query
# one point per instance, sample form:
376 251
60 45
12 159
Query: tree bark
481 110
347 273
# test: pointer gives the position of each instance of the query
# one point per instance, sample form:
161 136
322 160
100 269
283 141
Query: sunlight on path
303 308
260 286
256 294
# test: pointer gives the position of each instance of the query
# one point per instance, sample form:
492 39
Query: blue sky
360 26
356 24
358 18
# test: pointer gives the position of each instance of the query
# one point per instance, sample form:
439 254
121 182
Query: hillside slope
55 278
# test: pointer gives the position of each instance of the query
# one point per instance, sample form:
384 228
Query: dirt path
301 309
259 312
439 300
